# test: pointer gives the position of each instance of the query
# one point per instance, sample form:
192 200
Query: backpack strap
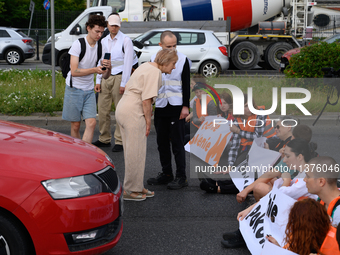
99 51
81 55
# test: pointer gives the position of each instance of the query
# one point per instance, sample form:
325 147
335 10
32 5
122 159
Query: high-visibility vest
332 205
268 130
199 109
330 245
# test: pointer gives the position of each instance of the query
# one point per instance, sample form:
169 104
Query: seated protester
309 230
297 155
198 118
241 141
304 132
225 109
324 184
196 78
262 185
221 186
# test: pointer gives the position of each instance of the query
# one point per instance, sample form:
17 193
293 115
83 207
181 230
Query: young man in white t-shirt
79 99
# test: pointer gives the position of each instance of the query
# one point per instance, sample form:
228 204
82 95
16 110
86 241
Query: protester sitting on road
297 155
225 109
321 179
264 184
198 117
309 230
133 114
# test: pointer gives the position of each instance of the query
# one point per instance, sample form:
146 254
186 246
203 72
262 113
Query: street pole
53 48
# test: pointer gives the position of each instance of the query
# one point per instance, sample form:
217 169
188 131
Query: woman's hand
235 129
272 240
286 179
241 215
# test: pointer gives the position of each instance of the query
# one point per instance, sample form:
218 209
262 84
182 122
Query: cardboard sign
210 140
270 249
269 216
258 161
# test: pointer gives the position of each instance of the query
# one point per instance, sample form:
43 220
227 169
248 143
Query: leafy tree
16 13
2 9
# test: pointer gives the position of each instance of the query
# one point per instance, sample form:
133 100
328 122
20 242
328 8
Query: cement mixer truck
254 31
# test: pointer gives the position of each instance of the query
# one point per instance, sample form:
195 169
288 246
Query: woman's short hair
300 146
165 56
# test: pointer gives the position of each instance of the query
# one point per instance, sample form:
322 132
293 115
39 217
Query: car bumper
51 223
46 56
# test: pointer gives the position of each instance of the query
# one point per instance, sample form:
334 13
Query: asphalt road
186 221
32 63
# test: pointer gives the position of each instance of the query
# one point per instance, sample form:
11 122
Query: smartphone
106 56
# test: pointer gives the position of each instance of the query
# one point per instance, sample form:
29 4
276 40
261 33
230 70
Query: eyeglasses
277 127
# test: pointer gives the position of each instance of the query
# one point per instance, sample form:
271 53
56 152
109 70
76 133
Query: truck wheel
12 239
275 52
13 57
245 55
62 56
210 68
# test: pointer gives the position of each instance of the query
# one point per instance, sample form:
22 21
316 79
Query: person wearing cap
123 59
198 118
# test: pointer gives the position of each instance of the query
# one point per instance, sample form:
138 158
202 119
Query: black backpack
65 61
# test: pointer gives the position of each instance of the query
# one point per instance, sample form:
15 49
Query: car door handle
202 49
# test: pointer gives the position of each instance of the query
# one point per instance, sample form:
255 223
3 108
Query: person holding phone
79 99
123 59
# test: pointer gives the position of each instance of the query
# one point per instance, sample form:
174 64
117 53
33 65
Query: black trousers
170 133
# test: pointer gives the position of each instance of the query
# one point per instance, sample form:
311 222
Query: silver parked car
15 46
209 57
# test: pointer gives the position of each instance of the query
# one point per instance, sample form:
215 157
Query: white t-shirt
297 187
88 61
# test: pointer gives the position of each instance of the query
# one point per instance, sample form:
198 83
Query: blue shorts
79 104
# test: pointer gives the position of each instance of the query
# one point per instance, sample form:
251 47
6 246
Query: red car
58 194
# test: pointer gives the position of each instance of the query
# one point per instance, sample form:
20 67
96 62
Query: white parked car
209 57
15 46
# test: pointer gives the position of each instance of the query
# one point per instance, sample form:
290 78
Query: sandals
128 196
149 193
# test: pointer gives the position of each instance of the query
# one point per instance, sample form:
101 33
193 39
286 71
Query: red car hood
39 154
289 53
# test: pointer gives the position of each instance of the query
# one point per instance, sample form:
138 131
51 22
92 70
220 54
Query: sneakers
160 179
117 148
233 240
178 183
100 144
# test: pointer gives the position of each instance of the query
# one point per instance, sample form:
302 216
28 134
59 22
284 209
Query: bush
310 60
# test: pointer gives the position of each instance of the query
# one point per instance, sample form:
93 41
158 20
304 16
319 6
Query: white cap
114 20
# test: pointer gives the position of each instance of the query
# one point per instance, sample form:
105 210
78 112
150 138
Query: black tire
210 68
245 55
63 55
275 52
13 57
12 239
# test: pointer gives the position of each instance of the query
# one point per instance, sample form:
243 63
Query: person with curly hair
309 230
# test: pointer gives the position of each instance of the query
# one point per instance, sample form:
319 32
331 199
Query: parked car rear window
190 38
4 33
21 33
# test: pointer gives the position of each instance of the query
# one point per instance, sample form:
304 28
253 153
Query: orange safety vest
268 130
332 205
330 245
199 109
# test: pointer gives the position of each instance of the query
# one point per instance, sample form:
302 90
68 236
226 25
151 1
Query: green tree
310 60
16 13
